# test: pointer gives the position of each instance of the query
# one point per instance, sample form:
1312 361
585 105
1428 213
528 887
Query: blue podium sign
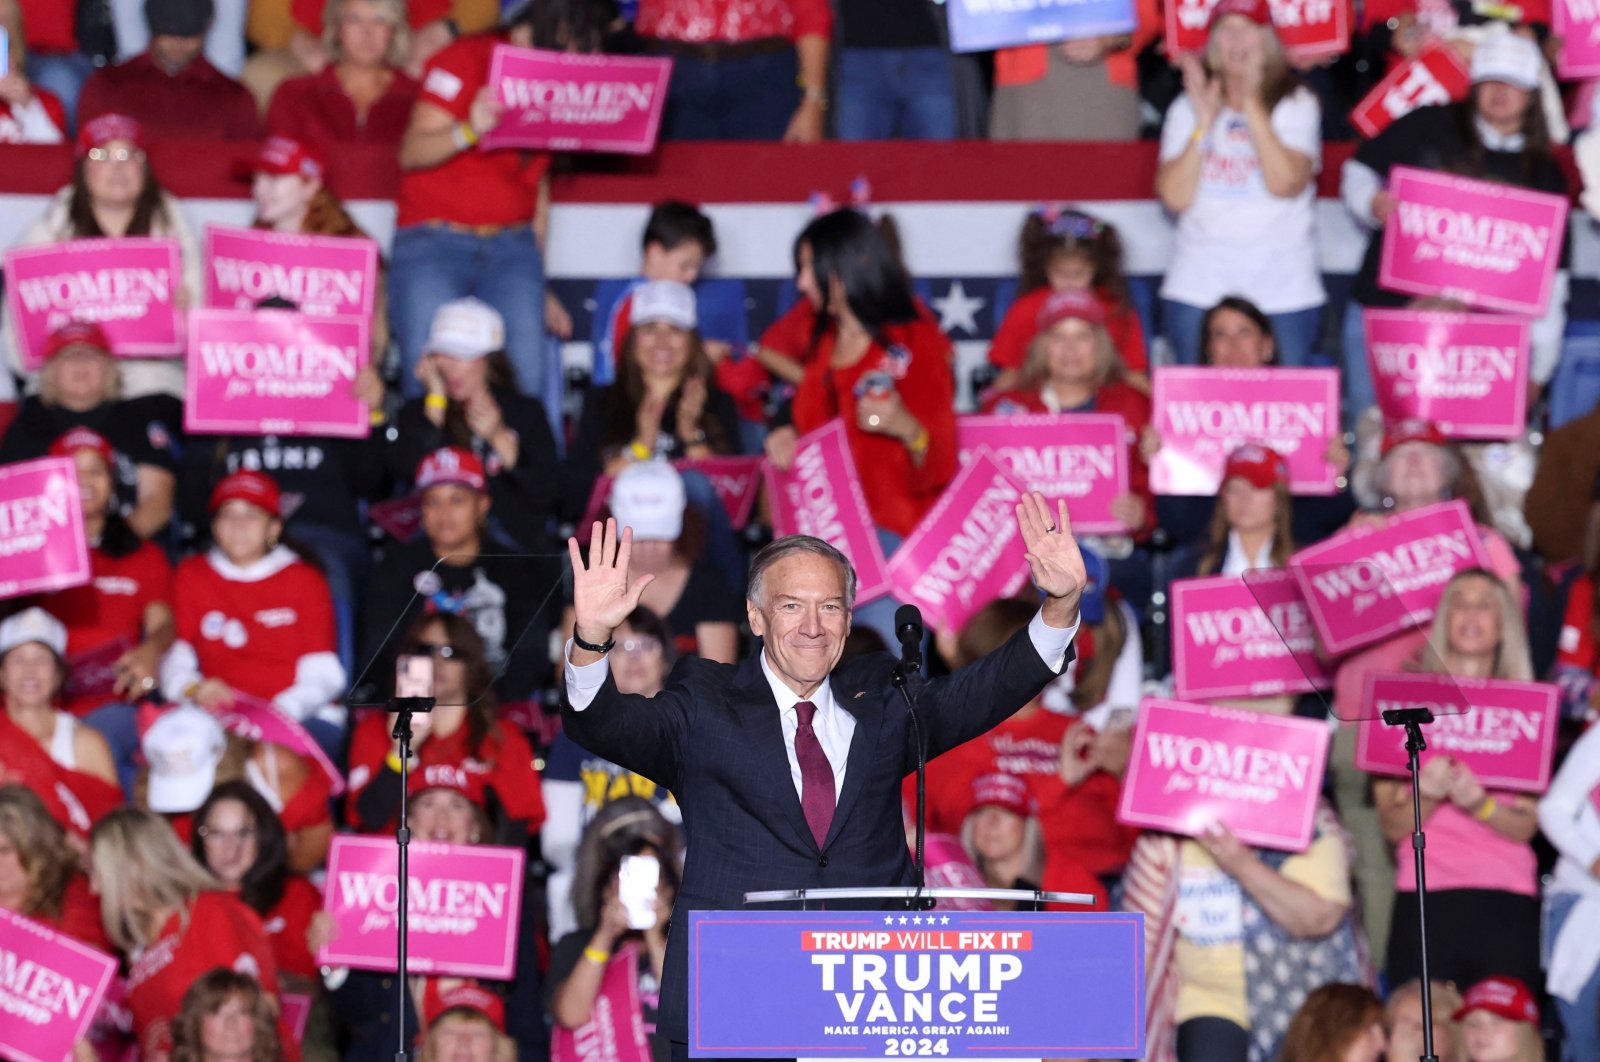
874 984
984 25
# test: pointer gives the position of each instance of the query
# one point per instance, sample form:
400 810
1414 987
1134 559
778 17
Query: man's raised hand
602 595
1053 556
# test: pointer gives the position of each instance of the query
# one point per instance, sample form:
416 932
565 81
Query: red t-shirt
1576 647
253 634
308 805
80 915
220 931
50 26
315 110
917 358
286 925
506 759
473 187
111 605
1021 324
790 335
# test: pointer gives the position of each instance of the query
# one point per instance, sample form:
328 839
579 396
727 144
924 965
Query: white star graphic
888 920
902 919
944 920
958 309
916 920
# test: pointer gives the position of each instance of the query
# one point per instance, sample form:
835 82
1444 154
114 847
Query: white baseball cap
467 329
648 497
183 749
664 300
1509 57
33 625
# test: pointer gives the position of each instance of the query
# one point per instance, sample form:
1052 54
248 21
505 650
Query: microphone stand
900 679
1413 719
404 708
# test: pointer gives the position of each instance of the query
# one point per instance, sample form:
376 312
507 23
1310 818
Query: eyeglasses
639 646
445 651
213 834
101 154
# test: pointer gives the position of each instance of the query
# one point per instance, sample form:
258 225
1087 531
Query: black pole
1413 719
404 707
918 903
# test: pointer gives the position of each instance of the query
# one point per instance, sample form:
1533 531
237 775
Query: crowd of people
238 573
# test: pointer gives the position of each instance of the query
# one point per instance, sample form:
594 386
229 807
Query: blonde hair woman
40 876
1483 905
172 921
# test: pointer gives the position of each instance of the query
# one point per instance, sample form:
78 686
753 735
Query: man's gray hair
788 546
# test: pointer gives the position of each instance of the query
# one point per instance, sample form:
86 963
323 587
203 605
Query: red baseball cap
81 438
437 1002
257 488
1505 996
1065 304
1256 11
456 777
1412 429
77 333
106 128
451 464
1002 790
280 155
1259 466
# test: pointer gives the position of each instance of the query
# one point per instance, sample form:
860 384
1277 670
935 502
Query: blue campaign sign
782 984
983 25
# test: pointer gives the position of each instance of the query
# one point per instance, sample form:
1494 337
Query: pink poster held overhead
50 989
1505 731
1465 372
1204 414
1243 637
1194 765
464 901
967 550
558 101
43 546
275 372
1364 585
821 495
321 275
1492 246
1079 458
128 286
1576 23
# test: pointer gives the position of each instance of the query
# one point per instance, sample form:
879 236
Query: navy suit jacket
713 737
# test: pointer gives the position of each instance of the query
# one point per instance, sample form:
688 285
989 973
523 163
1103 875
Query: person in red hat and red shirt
1499 1022
465 1023
1003 838
253 618
457 565
114 192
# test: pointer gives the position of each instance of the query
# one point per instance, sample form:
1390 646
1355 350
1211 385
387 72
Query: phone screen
413 676
5 51
637 883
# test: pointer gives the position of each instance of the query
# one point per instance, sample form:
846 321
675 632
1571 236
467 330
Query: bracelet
377 416
577 639
639 450
1197 136
813 93
1487 809
596 956
395 763
919 442
436 401
469 134
191 689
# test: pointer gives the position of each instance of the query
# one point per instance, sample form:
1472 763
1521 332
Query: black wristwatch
577 639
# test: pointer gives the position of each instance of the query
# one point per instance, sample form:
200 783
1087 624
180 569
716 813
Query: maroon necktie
816 774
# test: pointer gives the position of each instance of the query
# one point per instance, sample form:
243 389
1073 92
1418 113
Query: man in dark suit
787 770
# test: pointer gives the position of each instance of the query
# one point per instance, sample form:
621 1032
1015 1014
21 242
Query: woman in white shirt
1239 151
1569 815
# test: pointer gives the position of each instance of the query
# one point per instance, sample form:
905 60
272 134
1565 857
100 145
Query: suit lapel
853 698
755 701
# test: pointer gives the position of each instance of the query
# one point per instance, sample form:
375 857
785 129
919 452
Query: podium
912 983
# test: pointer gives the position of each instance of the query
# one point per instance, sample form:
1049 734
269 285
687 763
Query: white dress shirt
833 725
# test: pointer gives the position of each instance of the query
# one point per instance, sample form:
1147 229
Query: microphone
908 628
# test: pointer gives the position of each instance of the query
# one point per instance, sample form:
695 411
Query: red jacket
199 102
1016 333
315 110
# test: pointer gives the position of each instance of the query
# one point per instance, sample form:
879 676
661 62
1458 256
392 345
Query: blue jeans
346 563
1359 392
1581 1020
895 93
720 544
1295 334
433 264
62 73
749 97
119 725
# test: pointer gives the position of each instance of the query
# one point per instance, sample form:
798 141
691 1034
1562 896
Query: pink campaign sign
275 372
1243 637
1491 246
1203 414
967 550
1079 458
615 1030
821 495
1194 765
43 546
128 286
1465 372
464 903
1505 731
322 275
256 720
1577 26
50 990
563 102
1364 585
